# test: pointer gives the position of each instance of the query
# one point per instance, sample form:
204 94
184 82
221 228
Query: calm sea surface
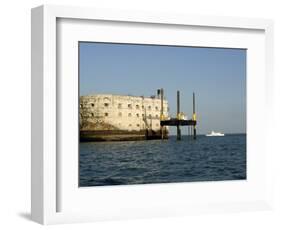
163 161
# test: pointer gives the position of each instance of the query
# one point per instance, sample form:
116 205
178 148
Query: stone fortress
116 117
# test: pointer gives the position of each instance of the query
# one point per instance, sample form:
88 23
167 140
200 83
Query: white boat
214 134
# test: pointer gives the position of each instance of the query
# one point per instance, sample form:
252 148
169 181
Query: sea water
163 161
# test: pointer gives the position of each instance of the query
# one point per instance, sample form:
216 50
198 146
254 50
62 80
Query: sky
217 76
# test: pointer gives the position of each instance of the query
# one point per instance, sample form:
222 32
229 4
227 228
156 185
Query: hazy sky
216 75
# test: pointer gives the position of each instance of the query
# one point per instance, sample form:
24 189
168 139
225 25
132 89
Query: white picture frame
50 192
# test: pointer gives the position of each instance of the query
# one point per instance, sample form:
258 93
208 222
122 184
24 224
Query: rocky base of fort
120 135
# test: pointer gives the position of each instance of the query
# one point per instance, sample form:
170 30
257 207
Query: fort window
119 105
130 125
137 115
156 116
149 116
129 106
156 108
138 125
92 104
142 107
142 115
129 114
120 114
92 114
81 106
106 114
106 104
137 106
149 107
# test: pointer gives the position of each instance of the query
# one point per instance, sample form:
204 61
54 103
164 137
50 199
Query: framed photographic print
140 114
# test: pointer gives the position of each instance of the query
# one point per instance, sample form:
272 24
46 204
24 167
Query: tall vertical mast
194 117
162 108
178 115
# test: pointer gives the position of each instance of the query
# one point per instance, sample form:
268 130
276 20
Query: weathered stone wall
116 112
